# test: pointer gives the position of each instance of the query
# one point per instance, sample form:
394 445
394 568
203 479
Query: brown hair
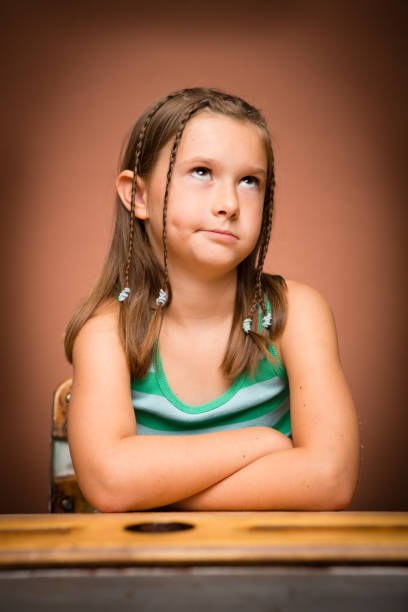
140 318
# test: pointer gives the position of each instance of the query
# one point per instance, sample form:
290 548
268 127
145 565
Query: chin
216 265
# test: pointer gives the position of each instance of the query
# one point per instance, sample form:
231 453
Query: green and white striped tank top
249 402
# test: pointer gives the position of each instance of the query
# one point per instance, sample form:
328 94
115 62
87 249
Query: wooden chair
64 492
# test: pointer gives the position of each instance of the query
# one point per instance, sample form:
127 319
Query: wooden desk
223 560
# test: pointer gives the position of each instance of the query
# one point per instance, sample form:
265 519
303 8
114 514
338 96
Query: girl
199 381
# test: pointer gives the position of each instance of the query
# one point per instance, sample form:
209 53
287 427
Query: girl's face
216 195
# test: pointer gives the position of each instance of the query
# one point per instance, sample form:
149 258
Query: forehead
214 133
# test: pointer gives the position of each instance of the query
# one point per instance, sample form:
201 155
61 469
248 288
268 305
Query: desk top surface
196 538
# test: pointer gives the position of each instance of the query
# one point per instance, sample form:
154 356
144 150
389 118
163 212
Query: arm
321 471
285 480
174 467
118 470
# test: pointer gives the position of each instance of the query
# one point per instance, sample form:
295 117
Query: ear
124 189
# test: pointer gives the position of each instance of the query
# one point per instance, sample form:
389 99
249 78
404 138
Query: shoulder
99 332
310 322
305 293
105 316
109 307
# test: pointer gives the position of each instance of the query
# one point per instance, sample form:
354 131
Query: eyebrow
210 160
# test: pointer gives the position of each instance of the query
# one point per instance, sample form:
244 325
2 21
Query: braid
258 296
193 109
265 236
138 151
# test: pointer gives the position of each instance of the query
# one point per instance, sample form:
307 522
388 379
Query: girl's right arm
118 470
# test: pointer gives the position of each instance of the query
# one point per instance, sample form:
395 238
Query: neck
201 303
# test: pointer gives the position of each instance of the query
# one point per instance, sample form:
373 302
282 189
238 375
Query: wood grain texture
140 538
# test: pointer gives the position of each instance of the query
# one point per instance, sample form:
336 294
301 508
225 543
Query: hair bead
162 299
195 100
123 294
246 325
191 110
267 320
138 149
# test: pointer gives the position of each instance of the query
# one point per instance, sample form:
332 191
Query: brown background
329 78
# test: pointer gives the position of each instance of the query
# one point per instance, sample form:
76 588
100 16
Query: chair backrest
64 492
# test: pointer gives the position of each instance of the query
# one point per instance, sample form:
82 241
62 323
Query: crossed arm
292 479
321 470
242 469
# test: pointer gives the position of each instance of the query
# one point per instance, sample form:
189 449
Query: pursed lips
222 232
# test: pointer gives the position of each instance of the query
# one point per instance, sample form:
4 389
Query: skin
321 471
225 194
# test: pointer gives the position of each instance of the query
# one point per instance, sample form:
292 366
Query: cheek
180 209
179 225
256 223
156 221
182 217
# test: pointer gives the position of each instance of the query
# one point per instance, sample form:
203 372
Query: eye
201 171
255 181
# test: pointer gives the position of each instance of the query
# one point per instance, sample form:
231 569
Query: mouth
221 234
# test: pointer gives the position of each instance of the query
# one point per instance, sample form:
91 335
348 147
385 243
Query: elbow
114 494
345 494
101 492
109 498
106 502
337 493
333 503
98 497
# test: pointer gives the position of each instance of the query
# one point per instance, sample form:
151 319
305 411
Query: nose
226 202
